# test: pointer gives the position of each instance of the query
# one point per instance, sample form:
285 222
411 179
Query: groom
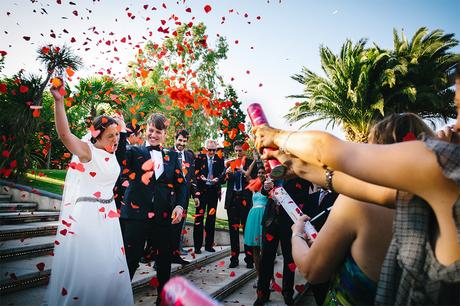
154 199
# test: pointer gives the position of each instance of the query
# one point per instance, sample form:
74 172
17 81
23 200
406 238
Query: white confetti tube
284 199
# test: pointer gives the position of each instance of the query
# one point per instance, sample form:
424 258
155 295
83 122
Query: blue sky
286 38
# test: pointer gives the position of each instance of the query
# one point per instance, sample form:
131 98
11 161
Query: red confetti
232 274
27 38
154 282
40 266
97 194
113 214
93 174
300 288
64 291
292 266
269 237
207 8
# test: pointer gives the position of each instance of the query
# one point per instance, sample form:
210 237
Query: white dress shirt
157 158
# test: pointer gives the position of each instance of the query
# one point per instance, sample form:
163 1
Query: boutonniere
166 158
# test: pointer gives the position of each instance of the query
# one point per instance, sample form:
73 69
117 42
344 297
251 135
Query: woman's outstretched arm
408 166
341 182
70 141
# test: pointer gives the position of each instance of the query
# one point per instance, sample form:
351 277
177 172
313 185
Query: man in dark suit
210 174
238 202
276 228
155 195
187 159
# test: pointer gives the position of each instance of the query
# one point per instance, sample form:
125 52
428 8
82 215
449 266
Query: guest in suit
132 136
187 158
154 200
277 229
238 203
210 174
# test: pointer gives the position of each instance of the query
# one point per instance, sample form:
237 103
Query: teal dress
253 229
350 286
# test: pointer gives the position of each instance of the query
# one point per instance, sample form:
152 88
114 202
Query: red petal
207 8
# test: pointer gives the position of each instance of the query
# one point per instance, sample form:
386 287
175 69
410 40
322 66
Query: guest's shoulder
135 149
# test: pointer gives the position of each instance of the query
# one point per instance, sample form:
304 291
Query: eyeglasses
211 150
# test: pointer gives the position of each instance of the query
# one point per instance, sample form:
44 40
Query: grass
53 181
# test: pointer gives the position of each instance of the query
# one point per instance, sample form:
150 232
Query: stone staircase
27 241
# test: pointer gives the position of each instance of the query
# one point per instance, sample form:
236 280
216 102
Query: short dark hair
100 123
184 133
158 120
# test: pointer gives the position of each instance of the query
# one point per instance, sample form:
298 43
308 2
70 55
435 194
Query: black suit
276 227
238 204
146 211
208 195
189 173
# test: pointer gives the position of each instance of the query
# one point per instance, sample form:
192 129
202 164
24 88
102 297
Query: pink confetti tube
257 117
180 292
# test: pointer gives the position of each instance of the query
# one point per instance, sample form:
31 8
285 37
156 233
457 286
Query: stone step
5 198
247 294
18 275
26 230
26 247
17 206
33 216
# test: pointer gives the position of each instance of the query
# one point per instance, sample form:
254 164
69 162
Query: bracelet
299 235
328 182
283 148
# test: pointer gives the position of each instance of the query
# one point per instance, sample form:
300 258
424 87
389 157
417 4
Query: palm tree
56 59
364 85
349 93
420 69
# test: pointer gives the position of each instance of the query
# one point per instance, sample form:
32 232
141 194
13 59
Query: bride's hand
55 89
121 122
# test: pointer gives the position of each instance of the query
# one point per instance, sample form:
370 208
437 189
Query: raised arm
75 145
341 182
407 166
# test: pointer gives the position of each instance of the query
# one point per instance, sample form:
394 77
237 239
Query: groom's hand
176 215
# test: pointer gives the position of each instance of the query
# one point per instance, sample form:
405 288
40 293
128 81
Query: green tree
56 59
19 124
419 66
362 85
183 71
233 120
349 94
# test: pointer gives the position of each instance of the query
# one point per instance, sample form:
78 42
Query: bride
89 265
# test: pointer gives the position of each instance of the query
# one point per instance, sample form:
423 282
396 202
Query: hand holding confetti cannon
280 195
257 117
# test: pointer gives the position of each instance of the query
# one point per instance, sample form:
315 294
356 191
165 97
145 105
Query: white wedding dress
89 264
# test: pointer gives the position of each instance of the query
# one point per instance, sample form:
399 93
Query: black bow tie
154 148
